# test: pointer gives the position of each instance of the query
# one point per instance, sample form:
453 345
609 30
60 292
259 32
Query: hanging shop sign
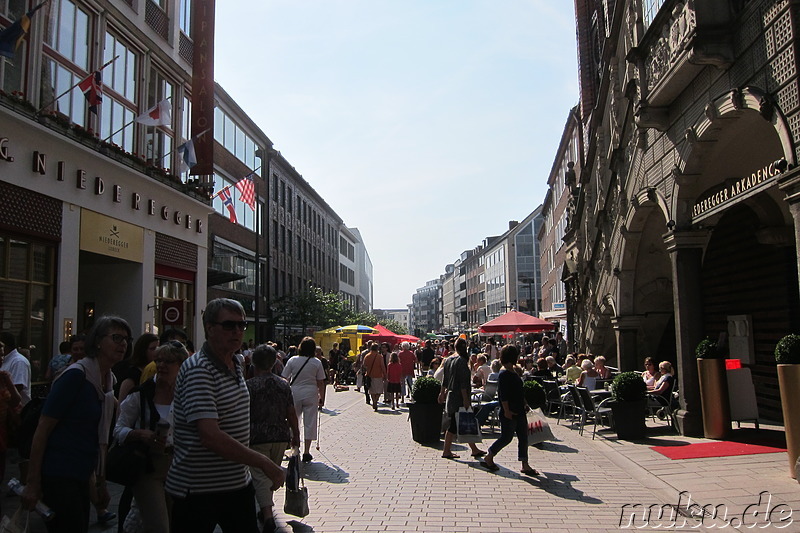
733 190
172 312
107 236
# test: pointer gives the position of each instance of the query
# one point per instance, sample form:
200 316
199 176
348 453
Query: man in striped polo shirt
209 479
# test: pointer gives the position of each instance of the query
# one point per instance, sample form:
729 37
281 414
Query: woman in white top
159 392
306 376
651 373
589 376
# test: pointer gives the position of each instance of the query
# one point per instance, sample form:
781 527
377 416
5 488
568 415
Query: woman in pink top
394 379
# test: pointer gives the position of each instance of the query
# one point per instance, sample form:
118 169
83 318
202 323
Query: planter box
789 382
629 419
714 398
426 422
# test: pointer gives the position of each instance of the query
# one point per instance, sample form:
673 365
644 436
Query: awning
218 277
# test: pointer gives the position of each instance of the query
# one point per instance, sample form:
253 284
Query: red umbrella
516 322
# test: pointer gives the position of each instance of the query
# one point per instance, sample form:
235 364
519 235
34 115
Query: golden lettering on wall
731 189
107 236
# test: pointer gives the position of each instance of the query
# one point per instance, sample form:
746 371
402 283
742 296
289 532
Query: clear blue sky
426 124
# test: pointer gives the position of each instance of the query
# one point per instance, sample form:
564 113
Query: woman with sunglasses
70 442
158 393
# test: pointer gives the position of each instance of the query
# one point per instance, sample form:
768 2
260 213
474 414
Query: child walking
395 378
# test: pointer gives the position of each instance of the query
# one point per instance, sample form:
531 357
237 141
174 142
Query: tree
394 325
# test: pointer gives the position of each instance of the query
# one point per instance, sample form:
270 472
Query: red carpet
714 449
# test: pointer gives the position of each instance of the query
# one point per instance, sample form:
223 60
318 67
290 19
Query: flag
92 87
227 201
11 37
247 188
158 115
187 155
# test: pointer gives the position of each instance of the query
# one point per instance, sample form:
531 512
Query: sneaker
307 458
106 517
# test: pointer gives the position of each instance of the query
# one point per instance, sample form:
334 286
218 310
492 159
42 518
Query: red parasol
516 322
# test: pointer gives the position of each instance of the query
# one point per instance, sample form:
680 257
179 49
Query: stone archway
645 285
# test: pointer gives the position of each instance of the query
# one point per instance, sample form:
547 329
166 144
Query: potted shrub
425 411
787 355
629 405
713 390
535 395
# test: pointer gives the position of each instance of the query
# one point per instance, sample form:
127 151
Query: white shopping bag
538 427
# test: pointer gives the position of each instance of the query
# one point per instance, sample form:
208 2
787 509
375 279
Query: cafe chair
596 412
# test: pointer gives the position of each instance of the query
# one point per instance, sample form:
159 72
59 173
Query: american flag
247 188
225 195
92 87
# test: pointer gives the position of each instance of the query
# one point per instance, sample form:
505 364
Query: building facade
685 218
561 182
426 308
94 221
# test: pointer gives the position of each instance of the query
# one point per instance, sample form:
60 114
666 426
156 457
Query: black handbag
126 462
296 502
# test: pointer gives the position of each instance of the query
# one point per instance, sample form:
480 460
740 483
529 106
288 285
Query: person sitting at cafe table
651 373
542 370
571 370
589 376
600 367
665 384
553 367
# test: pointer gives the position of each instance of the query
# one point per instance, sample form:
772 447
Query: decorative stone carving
675 35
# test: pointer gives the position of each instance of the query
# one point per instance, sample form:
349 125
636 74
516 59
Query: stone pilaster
626 329
686 254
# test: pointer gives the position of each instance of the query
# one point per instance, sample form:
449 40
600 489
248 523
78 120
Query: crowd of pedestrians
216 423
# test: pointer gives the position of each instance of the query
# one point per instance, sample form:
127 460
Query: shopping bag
538 427
296 501
467 426
18 523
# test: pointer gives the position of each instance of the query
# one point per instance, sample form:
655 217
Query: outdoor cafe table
600 394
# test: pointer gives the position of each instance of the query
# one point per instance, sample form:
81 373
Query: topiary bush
707 349
787 351
535 395
426 390
628 387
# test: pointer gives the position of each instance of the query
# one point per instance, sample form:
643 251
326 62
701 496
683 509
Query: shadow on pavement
549 446
560 485
322 472
298 527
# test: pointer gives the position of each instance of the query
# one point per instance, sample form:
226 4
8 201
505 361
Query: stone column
626 329
789 182
686 254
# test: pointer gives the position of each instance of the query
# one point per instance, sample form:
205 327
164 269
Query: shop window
26 297
171 289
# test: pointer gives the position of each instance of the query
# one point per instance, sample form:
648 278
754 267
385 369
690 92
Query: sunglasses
119 339
230 325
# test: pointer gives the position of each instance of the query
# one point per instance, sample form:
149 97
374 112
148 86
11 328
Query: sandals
451 456
491 467
479 453
530 471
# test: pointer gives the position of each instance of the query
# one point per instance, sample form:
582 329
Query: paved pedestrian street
369 475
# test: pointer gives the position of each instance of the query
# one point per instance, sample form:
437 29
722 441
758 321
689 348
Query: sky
426 124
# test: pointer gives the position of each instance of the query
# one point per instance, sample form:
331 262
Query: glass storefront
26 297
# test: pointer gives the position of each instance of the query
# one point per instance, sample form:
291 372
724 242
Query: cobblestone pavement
369 475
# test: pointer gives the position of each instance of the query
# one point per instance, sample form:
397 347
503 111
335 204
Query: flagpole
187 140
119 130
54 100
